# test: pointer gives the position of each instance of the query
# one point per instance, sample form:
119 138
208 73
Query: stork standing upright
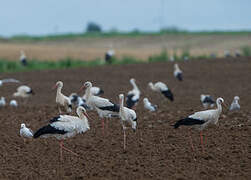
200 120
126 116
25 132
61 99
235 104
133 95
65 126
162 88
104 107
177 72
2 102
207 100
23 58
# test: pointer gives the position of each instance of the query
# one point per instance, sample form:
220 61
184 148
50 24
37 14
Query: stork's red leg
61 150
191 141
124 139
201 141
103 126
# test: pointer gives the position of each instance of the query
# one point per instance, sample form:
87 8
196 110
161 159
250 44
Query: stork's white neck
219 107
121 104
59 89
134 85
88 93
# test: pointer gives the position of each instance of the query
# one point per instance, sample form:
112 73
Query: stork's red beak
53 87
88 117
224 105
81 89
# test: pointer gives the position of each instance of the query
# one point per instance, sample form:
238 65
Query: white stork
133 95
8 80
177 72
2 102
235 104
200 120
23 91
25 132
207 100
162 88
78 101
13 103
126 116
149 106
61 99
23 58
104 107
65 126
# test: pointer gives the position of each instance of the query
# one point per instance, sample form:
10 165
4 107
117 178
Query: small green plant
163 56
246 51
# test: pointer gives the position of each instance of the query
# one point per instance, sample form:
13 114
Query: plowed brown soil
156 150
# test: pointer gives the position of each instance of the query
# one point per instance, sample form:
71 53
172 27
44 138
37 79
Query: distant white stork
78 101
177 72
25 132
23 58
235 104
227 53
126 116
207 100
65 126
2 102
8 80
149 106
23 91
13 103
61 99
162 88
200 120
109 54
133 95
104 107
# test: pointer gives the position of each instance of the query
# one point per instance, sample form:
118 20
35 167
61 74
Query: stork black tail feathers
48 130
168 93
188 122
101 92
180 77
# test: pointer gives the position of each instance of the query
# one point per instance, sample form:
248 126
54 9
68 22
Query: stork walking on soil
23 91
200 120
104 107
126 116
149 106
177 72
65 126
61 99
162 88
133 95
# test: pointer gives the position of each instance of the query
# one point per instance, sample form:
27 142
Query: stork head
22 125
86 85
132 80
220 101
237 98
81 110
58 84
121 98
145 100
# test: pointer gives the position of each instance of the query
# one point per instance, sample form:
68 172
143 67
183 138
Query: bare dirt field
140 47
156 150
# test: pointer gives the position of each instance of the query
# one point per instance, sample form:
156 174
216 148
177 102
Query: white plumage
96 91
162 88
61 99
177 72
65 126
202 119
126 116
149 106
23 91
13 103
9 80
25 132
235 104
207 100
2 102
133 95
